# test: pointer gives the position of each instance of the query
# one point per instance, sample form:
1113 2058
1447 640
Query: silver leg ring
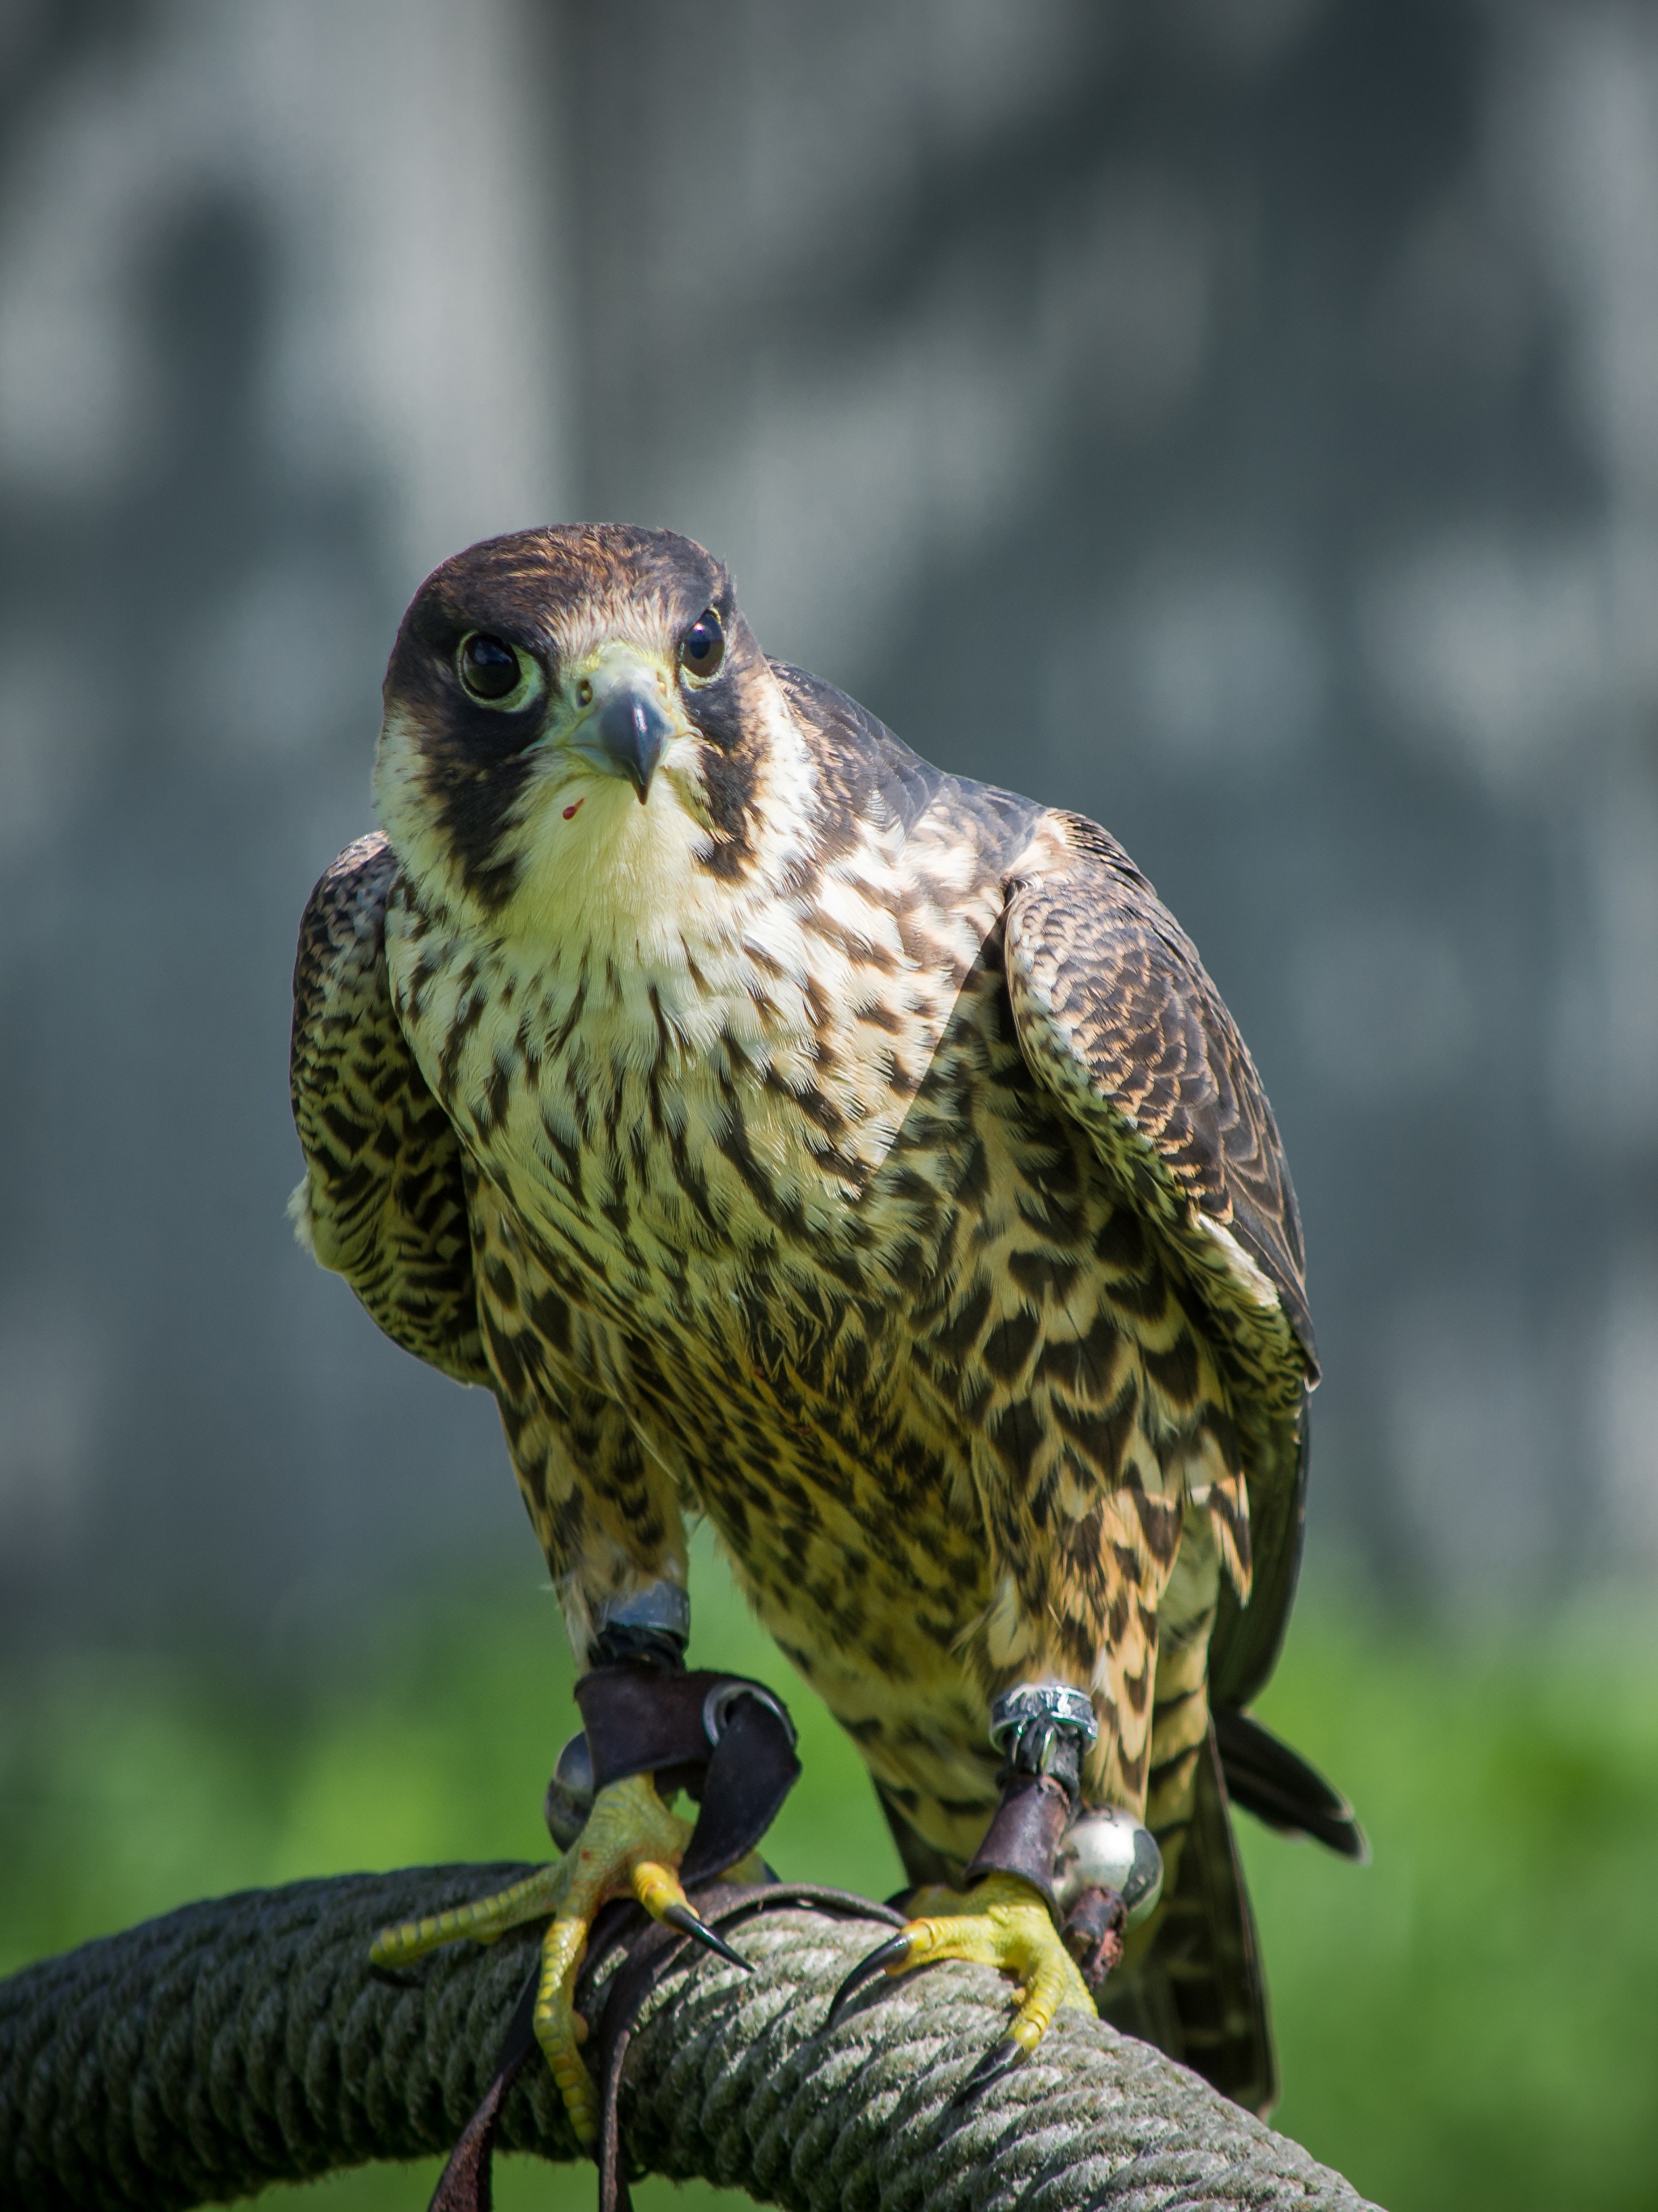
1043 1728
661 1606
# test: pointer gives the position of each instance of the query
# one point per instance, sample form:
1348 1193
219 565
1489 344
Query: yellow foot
1002 1923
630 1847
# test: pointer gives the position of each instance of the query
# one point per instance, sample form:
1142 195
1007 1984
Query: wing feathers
1115 1014
1116 1017
384 1202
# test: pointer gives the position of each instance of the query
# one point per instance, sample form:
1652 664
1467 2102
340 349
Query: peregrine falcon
792 1134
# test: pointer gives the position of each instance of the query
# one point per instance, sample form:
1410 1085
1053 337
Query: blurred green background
1471 2020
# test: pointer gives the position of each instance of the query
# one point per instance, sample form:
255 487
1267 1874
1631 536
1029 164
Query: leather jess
728 1742
723 1739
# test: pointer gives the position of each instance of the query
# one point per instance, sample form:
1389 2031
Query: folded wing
384 1199
1117 1017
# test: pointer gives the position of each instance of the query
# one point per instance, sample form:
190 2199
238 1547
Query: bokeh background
1237 419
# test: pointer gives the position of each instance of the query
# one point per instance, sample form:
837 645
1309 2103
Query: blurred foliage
1469 2021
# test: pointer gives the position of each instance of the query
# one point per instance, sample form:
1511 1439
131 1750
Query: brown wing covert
1117 1016
383 1203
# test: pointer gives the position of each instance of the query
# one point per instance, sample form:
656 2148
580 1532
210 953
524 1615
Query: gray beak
631 730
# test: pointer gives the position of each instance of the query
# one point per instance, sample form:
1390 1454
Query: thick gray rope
243 2042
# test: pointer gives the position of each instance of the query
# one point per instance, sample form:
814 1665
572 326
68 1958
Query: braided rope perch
243 2042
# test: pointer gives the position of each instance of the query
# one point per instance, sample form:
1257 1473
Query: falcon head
578 723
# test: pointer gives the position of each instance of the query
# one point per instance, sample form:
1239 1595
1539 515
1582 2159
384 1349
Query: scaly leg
630 1847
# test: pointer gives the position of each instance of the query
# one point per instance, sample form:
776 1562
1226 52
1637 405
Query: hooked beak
625 730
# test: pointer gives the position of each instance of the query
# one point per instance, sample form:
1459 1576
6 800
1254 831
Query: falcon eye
703 646
495 673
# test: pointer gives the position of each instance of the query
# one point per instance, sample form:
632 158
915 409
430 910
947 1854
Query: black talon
996 2063
682 1918
890 1954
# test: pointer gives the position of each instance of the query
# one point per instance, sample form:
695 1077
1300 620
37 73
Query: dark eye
703 646
495 673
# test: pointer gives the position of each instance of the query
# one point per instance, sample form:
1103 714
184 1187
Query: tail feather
1278 1787
1200 1994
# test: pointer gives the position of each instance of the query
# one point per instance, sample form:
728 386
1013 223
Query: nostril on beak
632 730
